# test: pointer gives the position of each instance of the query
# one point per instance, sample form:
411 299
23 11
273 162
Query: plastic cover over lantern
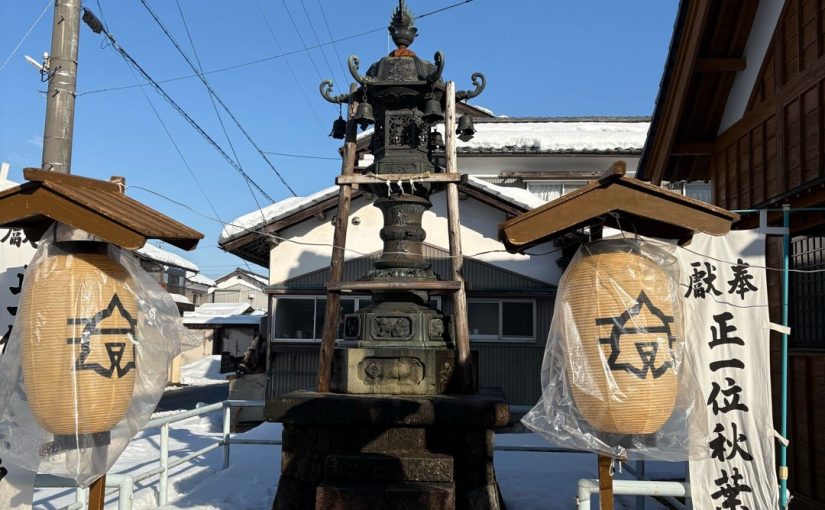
616 377
87 361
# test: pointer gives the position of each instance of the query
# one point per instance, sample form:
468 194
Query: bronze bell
432 111
436 140
465 130
339 128
363 115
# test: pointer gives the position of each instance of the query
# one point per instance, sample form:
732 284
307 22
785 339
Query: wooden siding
774 153
240 294
772 156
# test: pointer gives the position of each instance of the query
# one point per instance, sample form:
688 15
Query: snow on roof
283 209
224 314
273 212
199 278
219 309
556 135
152 252
179 298
517 196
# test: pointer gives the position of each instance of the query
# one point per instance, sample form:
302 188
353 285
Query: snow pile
592 136
152 252
273 212
203 372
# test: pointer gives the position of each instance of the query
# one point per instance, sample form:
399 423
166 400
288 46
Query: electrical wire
26 35
317 42
334 46
301 38
302 156
131 61
272 57
289 66
217 98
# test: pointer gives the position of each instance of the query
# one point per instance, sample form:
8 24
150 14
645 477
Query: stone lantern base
386 451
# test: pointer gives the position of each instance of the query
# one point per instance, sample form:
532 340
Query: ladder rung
428 285
393 178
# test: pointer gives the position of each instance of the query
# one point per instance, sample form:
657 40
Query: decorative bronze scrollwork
479 81
353 70
326 92
439 67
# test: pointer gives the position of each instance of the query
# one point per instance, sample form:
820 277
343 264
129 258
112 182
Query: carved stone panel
391 328
406 371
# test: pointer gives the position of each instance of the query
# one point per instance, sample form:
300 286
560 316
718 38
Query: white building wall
479 233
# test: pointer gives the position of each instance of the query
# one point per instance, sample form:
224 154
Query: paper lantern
619 355
78 323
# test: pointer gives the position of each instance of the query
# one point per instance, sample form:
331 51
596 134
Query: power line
334 46
301 38
217 98
272 57
302 156
318 41
49 3
289 66
88 16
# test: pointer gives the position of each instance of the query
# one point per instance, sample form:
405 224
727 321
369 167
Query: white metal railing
124 483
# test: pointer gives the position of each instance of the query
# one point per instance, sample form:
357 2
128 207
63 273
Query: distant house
241 286
198 288
169 270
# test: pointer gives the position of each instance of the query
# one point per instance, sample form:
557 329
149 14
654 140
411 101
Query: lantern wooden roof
98 207
617 201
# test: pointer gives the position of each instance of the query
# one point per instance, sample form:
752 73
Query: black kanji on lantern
741 281
729 490
3 471
114 350
701 282
730 398
647 350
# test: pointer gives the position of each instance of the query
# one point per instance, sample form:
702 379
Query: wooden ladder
335 286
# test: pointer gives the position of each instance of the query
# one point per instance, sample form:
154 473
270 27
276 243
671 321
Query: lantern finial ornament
402 27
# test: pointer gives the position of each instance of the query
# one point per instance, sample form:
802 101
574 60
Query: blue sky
541 58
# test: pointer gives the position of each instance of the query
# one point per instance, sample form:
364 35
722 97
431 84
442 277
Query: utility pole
62 73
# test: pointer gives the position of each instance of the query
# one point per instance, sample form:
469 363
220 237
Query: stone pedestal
386 451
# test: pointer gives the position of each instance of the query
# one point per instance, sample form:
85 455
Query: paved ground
188 397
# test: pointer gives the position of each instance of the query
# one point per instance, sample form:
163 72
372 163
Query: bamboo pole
337 259
462 329
605 483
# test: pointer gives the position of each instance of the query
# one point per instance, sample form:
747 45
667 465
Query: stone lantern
403 96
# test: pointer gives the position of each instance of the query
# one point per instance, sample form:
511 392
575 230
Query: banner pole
783 450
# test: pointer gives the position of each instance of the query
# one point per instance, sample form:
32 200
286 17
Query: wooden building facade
742 104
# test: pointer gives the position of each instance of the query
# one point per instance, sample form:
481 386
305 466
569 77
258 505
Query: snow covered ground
529 481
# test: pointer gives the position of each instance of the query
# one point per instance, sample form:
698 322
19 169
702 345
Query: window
502 320
302 318
551 190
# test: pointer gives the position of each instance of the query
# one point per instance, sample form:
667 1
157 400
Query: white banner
726 324
16 251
